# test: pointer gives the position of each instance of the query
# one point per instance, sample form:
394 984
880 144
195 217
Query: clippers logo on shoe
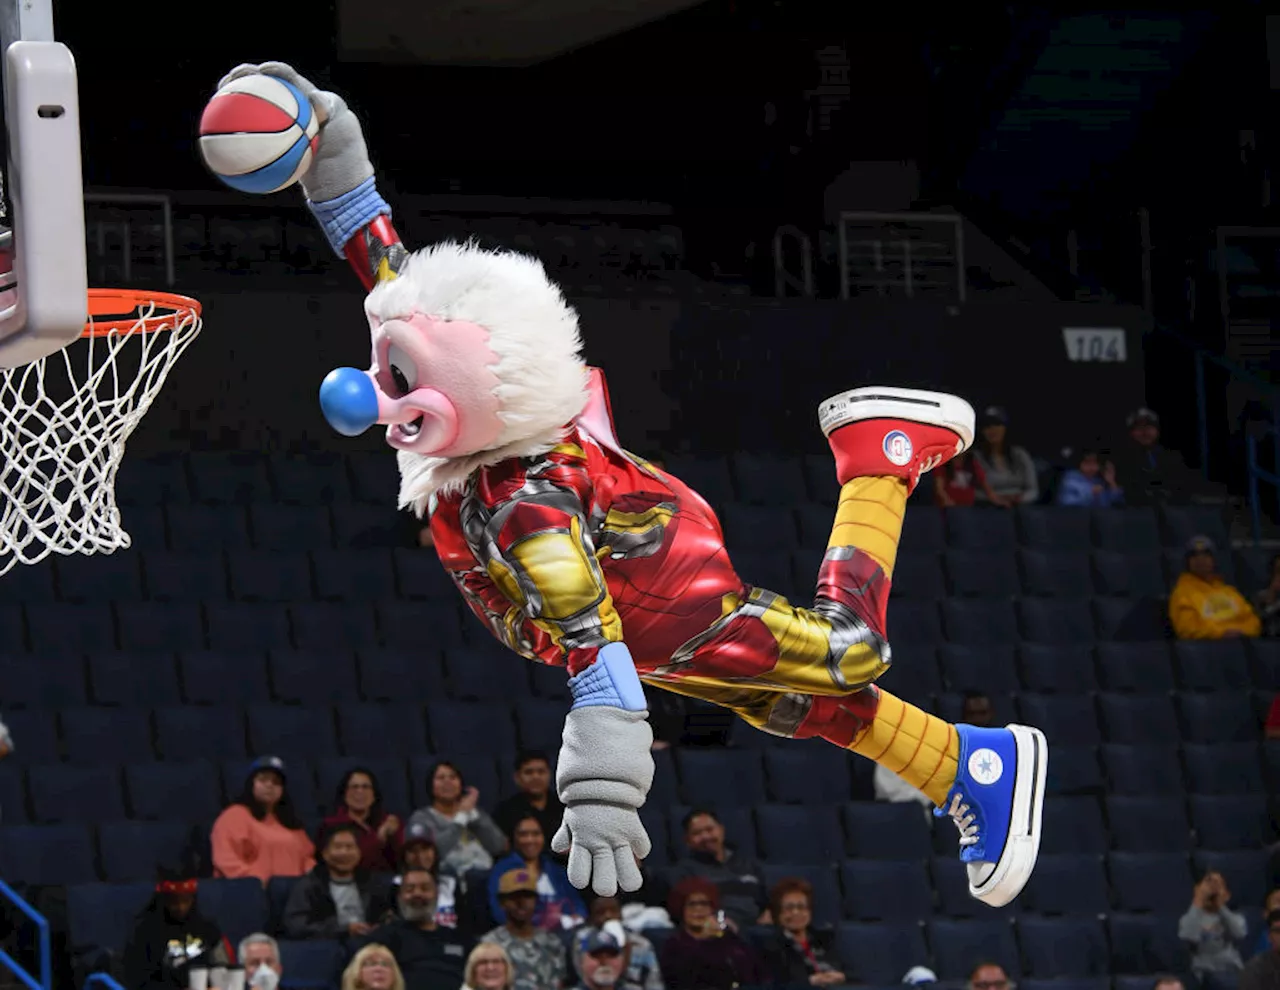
985 766
897 448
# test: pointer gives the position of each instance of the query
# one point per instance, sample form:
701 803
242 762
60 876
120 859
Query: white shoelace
968 828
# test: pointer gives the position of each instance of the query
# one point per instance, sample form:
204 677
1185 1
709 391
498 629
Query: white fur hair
532 330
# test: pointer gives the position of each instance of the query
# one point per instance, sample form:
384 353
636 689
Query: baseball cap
920 974
994 414
517 882
1142 415
419 832
268 763
1201 544
601 940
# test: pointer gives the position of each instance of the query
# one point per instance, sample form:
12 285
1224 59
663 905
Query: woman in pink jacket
259 835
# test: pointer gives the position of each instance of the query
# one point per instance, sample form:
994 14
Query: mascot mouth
410 429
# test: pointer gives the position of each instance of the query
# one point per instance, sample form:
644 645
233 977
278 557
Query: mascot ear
597 415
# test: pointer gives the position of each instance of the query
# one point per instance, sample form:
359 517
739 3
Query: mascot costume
576 553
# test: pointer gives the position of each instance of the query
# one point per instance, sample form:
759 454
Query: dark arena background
1063 214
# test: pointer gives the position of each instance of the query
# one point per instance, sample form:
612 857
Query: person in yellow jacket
1203 605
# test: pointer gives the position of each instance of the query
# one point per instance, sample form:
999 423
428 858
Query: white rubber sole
1022 847
914 405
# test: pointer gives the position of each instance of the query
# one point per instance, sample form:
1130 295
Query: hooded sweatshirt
161 948
1207 608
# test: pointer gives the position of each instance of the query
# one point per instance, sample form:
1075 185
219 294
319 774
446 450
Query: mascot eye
404 372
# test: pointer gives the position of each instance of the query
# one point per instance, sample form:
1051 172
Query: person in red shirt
380 833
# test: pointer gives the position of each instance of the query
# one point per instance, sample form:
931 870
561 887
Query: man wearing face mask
602 963
260 956
429 956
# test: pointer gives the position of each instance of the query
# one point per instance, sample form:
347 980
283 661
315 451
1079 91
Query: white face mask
265 978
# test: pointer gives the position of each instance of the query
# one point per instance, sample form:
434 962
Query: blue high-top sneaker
997 803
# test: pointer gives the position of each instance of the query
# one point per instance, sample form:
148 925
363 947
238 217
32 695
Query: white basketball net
64 420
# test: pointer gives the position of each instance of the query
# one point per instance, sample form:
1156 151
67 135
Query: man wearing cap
419 851
1148 472
537 957
601 957
640 969
1203 605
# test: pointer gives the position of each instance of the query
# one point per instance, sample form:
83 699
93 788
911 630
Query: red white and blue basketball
258 133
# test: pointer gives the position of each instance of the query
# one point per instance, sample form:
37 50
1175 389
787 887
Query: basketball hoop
64 420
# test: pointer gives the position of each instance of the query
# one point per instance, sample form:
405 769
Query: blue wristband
611 681
341 218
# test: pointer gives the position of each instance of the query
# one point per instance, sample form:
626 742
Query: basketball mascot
574 552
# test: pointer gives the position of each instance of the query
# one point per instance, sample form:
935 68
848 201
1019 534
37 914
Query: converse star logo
985 766
897 448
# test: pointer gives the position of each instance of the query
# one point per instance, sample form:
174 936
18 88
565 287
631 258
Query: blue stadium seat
188 733
709 477
826 887
918 576
1138 668
987 669
656 825
29 583
1067 885
922 532
474 727
1055 948
1057 669
950 881
1055 575
160 626
1075 770
300 785
238 907
479 770
1053 529
1141 770
99 736
765 480
313 480
419 574
207 528
131 850
1264 656
1077 983
102 577
46 854
1232 822
1064 719
798 834
979 623
665 791
13 628
1226 768
804 775
185 577
486 672
393 786
35 736
364 526
1212 665
152 481
1055 620
540 724
913 622
1180 523
1077 826
313 677
61 793
413 625
354 575
873 953
144 680
312 965
1253 568
957 943
1124 575
1130 620
982 574
549 681
1244 870
874 830
885 891
1144 943
228 478
914 673
723 779
247 626
1131 531
1225 717
160 791
1149 882
1148 824
821 478
320 626
292 732
13 795
759 528
394 675
382 730
103 915
770 569
270 575
968 529
212 677
374 476
1138 720
46 681
147 527
69 628
290 528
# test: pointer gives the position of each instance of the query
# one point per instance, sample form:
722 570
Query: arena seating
280 606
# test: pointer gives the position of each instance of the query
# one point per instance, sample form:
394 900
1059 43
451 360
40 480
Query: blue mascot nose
349 401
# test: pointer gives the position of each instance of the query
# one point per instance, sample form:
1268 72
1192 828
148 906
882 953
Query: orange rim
109 309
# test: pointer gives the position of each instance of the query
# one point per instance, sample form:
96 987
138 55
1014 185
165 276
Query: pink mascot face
435 385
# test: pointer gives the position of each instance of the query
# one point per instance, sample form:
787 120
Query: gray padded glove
603 776
341 160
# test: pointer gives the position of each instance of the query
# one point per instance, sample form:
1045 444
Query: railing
782 277
42 926
98 230
106 981
906 254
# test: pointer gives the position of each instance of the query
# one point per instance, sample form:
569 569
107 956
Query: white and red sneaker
898 432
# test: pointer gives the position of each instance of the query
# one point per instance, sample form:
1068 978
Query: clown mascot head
575 553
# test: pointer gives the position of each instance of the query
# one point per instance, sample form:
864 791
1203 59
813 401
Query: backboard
43 299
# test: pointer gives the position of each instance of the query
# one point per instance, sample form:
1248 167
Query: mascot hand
605 771
341 160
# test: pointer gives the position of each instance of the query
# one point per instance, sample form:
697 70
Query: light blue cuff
611 681
341 218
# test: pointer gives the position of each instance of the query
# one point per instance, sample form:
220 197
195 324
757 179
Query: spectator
988 976
640 969
559 904
1167 981
425 540
799 954
1263 971
702 954
1270 904
1148 473
1210 929
1267 602
6 741
259 954
488 968
976 710
535 796
259 835
359 801
1008 469
373 968
1090 484
420 852
337 898
737 878
466 837
1203 605
919 976
537 957
429 956
602 959
170 936
958 482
